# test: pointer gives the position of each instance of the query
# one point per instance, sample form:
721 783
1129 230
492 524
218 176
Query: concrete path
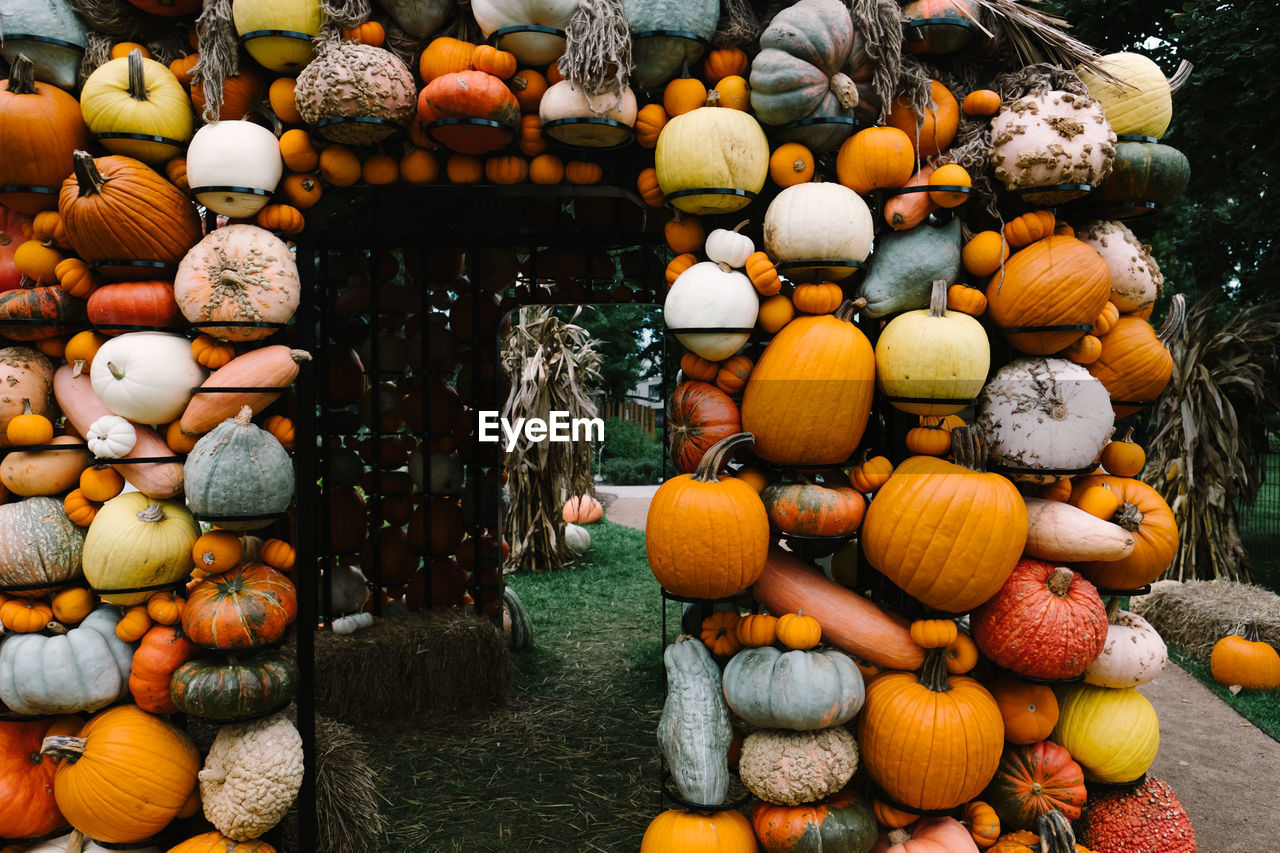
1222 768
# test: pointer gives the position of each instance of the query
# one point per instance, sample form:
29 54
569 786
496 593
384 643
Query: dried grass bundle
553 367
416 666
1194 615
1209 441
1024 35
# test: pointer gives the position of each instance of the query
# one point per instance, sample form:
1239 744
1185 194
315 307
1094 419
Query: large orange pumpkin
27 806
1057 282
1144 513
125 776
948 534
118 208
913 724
809 396
249 606
40 127
698 415
706 537
1135 365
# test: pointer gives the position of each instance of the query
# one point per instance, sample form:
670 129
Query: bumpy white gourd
1054 138
251 776
1136 279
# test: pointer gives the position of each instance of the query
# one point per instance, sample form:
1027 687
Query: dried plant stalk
554 367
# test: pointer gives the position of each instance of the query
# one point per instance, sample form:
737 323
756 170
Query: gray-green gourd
695 729
239 474
905 264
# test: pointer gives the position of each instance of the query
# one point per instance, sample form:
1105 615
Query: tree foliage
628 337
1220 237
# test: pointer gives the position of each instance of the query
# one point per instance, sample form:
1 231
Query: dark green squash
1145 171
842 822
227 691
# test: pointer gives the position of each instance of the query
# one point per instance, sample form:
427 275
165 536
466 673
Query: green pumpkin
800 690
800 71
841 823
85 669
217 691
238 476
695 730
659 58
905 264
38 543
47 32
1144 171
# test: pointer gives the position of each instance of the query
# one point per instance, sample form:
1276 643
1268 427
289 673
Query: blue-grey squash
905 264
800 690
49 34
85 669
238 475
658 58
695 729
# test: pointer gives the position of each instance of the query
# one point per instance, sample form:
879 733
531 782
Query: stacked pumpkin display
1009 543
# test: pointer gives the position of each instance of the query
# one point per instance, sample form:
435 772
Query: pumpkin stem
26 407
75 842
1129 517
968 449
87 175
1128 436
1113 608
115 371
1060 581
846 90
716 455
850 307
1055 833
898 836
22 76
151 513
737 229
63 747
56 628
713 98
938 299
1181 76
299 355
244 416
77 367
933 675
1173 322
137 79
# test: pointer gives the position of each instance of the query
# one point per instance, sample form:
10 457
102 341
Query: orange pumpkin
875 158
250 606
469 94
684 232
1135 365
529 86
981 102
1146 515
582 509
40 127
1057 282
932 134
724 62
1030 711
683 95
650 120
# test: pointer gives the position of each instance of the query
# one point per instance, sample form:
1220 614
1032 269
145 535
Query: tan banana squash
1060 532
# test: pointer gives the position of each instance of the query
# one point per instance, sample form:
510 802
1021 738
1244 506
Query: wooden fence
630 410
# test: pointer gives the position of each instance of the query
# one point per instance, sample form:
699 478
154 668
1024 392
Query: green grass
574 755
1260 708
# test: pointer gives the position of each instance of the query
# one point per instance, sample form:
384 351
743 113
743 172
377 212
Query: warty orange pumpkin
706 537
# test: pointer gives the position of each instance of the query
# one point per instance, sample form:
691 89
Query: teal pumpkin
800 690
238 476
659 58
85 669
214 690
49 34
1145 171
905 264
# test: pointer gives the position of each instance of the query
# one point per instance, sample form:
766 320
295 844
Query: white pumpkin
229 154
818 231
1136 279
578 538
1134 654
563 101
85 669
75 842
1143 105
708 297
147 377
531 48
1042 415
436 473
111 437
351 624
1051 139
729 248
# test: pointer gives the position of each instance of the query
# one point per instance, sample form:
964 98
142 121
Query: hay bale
1194 615
412 667
348 819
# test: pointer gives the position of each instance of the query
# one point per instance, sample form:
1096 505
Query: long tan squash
849 621
272 367
81 406
1060 532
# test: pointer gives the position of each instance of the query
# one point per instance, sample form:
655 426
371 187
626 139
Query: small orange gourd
679 264
683 95
763 274
281 218
380 170
278 554
758 629
719 633
546 169
1124 457
133 624
684 233
165 608
297 151
25 615
791 163
72 604
75 277
282 429
29 429
211 352
217 551
775 312
101 483
492 60
79 509
694 366
1029 227
981 102
529 85
647 185
650 121
419 166
339 165
797 631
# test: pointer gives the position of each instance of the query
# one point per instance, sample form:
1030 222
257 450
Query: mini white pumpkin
1043 415
146 377
348 590
708 297
436 473
111 437
75 842
230 154
818 231
578 538
1133 655
351 624
1136 279
729 248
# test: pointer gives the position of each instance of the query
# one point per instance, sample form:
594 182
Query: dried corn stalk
553 367
1209 441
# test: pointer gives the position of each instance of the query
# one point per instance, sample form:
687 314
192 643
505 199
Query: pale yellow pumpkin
132 95
684 161
1143 105
135 541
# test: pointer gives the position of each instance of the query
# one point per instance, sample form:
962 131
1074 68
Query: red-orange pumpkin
251 605
808 509
469 94
1035 779
698 415
162 650
120 308
27 807
843 821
